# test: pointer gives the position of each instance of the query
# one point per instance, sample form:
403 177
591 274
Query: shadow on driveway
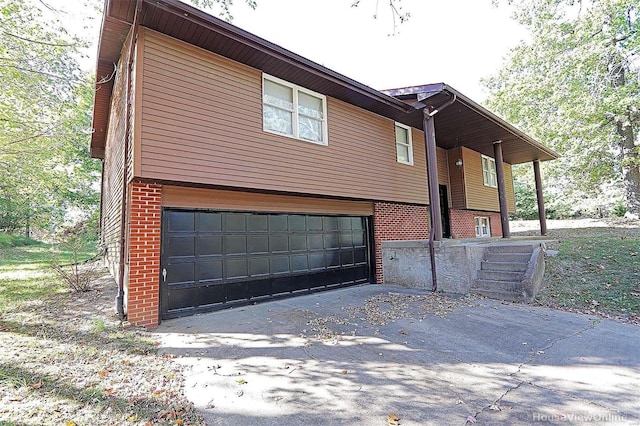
356 355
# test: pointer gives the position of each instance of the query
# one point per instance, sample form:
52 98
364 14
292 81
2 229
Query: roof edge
435 88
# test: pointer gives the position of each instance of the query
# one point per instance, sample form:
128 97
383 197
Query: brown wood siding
443 166
479 196
173 196
508 182
113 171
202 123
456 180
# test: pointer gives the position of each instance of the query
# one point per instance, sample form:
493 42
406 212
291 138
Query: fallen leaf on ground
241 381
392 419
344 372
471 419
404 332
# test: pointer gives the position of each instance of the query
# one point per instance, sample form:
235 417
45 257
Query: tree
45 119
575 85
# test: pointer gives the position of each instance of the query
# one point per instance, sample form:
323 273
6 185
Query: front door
444 211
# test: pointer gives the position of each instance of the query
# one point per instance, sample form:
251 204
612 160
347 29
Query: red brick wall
463 224
393 221
143 296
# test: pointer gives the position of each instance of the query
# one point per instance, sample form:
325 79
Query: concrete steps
502 272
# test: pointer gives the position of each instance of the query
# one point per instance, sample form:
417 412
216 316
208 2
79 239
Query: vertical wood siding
202 123
456 180
113 171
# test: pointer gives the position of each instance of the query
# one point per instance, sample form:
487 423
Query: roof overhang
464 121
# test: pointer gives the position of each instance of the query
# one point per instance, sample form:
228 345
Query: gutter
125 177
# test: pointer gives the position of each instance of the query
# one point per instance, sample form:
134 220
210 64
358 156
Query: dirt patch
67 359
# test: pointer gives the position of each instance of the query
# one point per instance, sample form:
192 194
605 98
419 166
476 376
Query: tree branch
59 77
38 41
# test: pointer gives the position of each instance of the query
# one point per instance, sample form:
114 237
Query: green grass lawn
595 270
25 272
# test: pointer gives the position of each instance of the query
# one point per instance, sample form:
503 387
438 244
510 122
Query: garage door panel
236 291
258 223
209 245
180 298
213 259
259 266
209 222
258 243
279 264
210 295
184 246
181 272
235 222
299 263
182 221
210 269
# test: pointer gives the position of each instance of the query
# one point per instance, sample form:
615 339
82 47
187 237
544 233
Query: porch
508 269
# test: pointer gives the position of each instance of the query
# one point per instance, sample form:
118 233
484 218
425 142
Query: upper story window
293 111
489 171
404 146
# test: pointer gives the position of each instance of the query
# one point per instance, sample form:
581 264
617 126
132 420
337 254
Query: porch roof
465 122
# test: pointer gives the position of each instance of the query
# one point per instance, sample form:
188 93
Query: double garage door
213 259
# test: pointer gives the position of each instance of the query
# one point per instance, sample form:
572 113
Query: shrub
79 274
618 209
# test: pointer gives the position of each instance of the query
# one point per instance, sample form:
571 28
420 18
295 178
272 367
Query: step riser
500 275
508 257
511 249
498 286
503 266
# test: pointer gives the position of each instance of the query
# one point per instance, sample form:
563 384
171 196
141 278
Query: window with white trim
482 226
404 145
489 171
291 110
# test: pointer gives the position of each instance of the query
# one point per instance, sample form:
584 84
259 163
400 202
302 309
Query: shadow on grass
48 387
103 339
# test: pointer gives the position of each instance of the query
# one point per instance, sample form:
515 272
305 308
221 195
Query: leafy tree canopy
575 85
45 119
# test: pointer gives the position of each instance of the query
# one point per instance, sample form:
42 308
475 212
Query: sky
457 42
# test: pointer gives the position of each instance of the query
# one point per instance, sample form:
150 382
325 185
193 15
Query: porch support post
541 212
502 193
432 176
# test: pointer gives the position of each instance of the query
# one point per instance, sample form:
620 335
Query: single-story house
234 170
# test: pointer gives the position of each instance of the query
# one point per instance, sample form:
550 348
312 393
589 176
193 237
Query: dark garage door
212 260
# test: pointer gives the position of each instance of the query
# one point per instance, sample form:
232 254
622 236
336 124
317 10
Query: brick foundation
463 224
143 296
397 222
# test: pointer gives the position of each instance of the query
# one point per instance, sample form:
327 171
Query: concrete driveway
362 355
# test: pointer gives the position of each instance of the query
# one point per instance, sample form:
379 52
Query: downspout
125 180
432 166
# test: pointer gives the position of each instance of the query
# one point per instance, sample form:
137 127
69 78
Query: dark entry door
444 211
212 259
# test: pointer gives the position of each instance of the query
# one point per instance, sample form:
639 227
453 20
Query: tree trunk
630 167
629 153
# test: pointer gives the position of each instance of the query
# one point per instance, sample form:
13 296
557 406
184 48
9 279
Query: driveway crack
496 403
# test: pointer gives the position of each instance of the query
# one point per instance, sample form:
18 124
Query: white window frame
409 144
489 175
481 232
295 124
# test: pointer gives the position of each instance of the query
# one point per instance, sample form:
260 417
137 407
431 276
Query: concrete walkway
357 355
